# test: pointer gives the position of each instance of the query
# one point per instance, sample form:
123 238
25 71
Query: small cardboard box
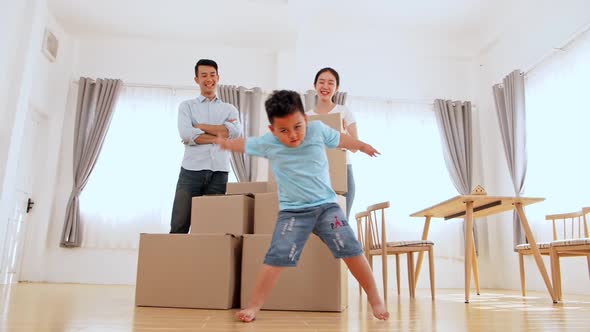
221 214
336 157
318 283
338 170
266 211
333 120
188 271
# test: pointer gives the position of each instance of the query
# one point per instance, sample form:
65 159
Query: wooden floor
69 307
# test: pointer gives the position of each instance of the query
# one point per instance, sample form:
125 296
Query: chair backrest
376 230
570 225
586 217
362 223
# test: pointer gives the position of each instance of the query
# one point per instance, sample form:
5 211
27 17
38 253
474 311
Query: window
558 118
410 172
131 189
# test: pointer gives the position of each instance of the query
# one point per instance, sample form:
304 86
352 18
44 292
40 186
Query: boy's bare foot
247 315
380 311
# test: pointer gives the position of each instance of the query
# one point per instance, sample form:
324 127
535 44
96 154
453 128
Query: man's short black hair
282 103
205 62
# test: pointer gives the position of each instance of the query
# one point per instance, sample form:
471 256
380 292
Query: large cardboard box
221 214
318 283
251 187
188 271
266 211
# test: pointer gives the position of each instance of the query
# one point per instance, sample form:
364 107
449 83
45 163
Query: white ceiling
270 23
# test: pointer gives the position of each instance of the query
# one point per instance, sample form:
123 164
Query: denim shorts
293 228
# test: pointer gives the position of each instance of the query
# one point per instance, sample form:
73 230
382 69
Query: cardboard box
318 283
336 157
221 214
333 120
266 211
337 168
251 187
188 271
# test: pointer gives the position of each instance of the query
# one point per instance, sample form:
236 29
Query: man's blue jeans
190 184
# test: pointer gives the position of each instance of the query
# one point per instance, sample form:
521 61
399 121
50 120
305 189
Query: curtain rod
394 101
196 88
562 48
161 86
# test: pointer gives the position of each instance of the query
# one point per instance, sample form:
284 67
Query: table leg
535 250
421 254
468 247
475 264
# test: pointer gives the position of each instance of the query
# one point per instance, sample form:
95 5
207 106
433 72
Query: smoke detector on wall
50 45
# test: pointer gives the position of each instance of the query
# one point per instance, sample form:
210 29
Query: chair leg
557 283
384 263
474 264
398 273
411 281
522 279
555 273
431 270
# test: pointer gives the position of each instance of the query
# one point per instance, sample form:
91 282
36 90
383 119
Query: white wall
171 63
14 30
527 38
381 61
22 27
49 95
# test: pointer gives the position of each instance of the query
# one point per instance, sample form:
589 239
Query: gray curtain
94 110
511 109
250 105
455 126
310 99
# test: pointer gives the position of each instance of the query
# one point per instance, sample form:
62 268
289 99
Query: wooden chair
544 247
571 245
372 230
361 223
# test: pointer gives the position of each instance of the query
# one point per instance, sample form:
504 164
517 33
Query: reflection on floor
70 307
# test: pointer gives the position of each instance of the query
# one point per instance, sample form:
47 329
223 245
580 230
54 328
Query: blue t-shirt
302 172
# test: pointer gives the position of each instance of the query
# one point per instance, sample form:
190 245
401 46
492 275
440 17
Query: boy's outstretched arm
350 143
236 145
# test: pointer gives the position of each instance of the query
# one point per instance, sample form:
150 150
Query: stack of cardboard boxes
223 254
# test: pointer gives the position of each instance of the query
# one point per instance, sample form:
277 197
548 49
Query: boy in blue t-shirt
296 150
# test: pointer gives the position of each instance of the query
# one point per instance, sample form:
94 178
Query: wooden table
473 206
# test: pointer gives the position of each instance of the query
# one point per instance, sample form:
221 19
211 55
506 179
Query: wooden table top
483 205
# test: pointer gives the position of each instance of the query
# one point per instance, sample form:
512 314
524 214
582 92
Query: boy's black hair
205 62
282 103
323 70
